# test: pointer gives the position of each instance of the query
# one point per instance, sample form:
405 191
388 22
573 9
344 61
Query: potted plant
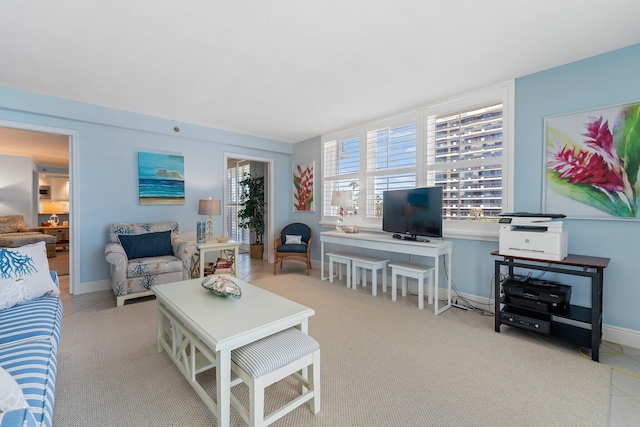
251 210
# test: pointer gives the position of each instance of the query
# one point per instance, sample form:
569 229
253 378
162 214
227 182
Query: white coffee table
198 330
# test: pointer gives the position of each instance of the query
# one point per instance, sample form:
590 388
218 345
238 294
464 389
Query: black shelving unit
576 265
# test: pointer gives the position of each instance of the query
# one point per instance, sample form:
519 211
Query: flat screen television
413 212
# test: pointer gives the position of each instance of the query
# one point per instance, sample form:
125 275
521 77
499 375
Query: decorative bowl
223 239
351 229
222 286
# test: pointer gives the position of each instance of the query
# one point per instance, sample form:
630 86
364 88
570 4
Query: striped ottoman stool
271 359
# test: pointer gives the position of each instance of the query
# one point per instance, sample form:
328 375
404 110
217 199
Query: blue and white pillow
14 409
24 275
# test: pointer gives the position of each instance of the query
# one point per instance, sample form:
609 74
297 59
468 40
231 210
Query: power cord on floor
467 305
615 352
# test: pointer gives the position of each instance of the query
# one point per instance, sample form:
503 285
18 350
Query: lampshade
209 207
342 199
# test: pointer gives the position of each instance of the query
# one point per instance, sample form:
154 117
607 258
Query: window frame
503 92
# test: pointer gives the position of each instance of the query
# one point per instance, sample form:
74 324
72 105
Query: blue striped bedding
29 338
36 320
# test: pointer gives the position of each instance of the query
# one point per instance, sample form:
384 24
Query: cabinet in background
54 188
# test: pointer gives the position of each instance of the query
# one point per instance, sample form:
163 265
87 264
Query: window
460 144
390 161
464 156
234 175
341 171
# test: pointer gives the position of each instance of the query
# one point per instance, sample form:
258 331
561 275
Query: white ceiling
45 149
293 69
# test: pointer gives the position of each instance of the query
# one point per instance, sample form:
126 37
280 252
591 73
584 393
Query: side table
203 248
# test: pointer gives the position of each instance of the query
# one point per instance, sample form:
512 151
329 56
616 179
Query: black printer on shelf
535 294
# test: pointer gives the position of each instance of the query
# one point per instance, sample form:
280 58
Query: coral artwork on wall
592 160
303 187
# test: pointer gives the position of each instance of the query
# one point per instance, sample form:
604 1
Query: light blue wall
604 80
601 81
304 152
109 141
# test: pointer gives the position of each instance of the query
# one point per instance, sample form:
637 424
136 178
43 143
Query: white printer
530 235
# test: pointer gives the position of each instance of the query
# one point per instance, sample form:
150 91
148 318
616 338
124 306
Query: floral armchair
144 255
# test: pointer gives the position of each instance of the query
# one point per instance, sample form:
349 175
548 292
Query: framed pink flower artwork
303 179
592 159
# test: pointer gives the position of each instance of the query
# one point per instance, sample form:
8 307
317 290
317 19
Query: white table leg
322 261
445 256
161 326
202 257
374 281
348 274
436 288
421 293
384 278
449 262
394 285
235 261
223 386
430 286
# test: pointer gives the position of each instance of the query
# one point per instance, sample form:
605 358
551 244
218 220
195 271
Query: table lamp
209 207
341 199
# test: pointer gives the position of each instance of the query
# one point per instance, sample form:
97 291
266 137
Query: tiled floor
625 382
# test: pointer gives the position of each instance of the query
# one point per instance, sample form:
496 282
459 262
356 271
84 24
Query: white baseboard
626 337
86 287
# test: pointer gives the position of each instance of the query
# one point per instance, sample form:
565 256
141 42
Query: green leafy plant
251 205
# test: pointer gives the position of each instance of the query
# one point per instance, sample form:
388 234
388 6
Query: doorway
53 151
237 165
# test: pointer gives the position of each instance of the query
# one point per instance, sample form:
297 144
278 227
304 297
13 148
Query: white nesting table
203 248
198 330
385 242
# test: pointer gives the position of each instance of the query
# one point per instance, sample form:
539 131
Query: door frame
268 235
74 200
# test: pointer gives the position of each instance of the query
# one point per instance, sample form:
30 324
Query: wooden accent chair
293 244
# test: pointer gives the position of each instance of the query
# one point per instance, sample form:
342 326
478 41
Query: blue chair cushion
301 248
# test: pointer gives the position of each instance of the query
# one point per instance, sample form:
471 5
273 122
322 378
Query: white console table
381 242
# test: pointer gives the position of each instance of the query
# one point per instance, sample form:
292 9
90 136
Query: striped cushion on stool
273 352
33 366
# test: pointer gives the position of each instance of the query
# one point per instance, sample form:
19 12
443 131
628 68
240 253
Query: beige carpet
383 364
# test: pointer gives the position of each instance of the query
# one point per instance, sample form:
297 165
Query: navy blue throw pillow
147 244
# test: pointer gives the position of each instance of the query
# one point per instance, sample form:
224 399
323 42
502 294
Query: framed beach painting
302 176
591 163
160 179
